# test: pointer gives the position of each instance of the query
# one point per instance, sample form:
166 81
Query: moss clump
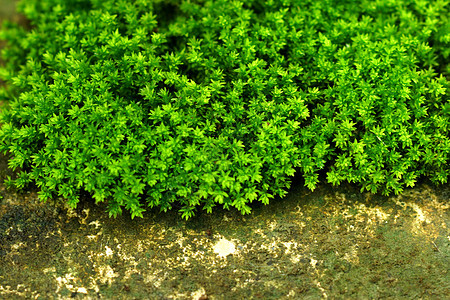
205 103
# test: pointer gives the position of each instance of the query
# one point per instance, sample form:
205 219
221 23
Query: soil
335 243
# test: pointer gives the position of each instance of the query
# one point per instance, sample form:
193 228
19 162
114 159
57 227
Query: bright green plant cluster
214 102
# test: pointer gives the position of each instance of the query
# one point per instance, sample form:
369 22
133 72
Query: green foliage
203 103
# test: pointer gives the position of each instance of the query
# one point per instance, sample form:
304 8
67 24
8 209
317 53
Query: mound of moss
215 102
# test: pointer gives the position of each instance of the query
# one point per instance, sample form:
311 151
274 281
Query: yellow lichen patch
67 281
422 219
106 274
290 246
19 292
224 247
198 294
95 223
352 255
156 278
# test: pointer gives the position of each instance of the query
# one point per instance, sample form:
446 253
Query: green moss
204 103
